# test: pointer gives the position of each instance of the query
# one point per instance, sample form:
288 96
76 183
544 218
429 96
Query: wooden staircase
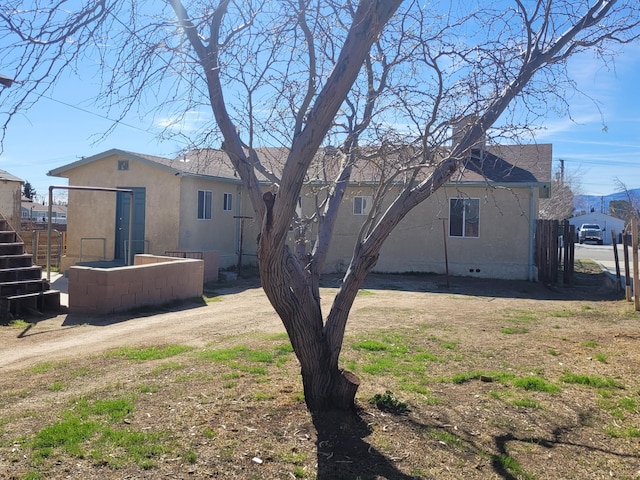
22 288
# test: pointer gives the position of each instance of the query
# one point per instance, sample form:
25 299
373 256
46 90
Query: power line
104 117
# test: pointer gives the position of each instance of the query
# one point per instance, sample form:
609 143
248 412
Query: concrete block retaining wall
151 280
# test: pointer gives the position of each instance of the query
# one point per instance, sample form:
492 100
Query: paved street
603 255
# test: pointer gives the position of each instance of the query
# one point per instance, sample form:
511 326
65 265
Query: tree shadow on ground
501 459
133 314
593 285
344 454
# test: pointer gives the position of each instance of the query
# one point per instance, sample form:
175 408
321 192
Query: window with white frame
204 204
362 205
464 217
227 202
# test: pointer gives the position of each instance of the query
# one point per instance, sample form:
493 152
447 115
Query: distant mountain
585 203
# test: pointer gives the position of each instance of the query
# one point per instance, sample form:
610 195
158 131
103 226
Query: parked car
590 232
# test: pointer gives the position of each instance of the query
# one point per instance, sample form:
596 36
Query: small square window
123 164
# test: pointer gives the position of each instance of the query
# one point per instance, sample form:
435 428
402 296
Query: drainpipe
532 232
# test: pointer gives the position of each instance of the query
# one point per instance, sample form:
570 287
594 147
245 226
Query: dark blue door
122 223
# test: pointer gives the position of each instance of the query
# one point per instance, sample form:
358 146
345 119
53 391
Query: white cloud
191 121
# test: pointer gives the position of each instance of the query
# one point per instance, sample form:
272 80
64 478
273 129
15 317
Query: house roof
501 164
525 164
7 176
39 207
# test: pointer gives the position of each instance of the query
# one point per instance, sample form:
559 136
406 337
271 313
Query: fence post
626 240
614 243
634 246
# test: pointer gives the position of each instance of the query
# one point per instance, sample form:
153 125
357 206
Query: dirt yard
468 415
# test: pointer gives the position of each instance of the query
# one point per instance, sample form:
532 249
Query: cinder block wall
151 280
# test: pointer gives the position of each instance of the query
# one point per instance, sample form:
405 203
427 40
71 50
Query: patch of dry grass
480 403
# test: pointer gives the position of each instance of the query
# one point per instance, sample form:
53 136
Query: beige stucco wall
221 233
417 244
93 214
10 194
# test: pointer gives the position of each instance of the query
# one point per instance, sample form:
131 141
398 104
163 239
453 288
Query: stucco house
196 203
10 195
38 212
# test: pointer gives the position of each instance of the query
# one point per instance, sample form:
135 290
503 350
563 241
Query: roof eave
60 171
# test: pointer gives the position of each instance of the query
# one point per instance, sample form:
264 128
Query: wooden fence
554 251
36 242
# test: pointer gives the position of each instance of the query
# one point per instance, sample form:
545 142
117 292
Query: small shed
606 222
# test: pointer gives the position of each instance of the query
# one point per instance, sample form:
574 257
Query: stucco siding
501 249
217 233
10 194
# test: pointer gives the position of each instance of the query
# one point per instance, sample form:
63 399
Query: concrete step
33 272
12 248
29 303
7 236
16 261
23 287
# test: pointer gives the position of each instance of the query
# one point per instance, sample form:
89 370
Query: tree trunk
326 388
297 302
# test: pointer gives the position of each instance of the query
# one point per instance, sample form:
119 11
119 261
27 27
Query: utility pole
562 171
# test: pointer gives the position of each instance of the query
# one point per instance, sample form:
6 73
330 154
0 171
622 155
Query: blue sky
53 134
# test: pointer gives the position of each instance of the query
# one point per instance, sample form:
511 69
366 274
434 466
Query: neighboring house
10 195
606 222
196 202
38 212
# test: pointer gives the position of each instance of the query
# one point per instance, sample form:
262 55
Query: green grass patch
42 367
90 429
247 360
56 386
141 354
509 464
148 388
446 437
631 432
211 297
190 457
364 293
590 381
370 346
295 458
19 323
537 384
590 344
601 357
388 402
224 354
525 403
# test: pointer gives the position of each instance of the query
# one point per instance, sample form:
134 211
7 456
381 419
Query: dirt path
242 309
64 336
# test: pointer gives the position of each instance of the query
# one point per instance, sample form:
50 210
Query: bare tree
560 204
381 81
631 206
